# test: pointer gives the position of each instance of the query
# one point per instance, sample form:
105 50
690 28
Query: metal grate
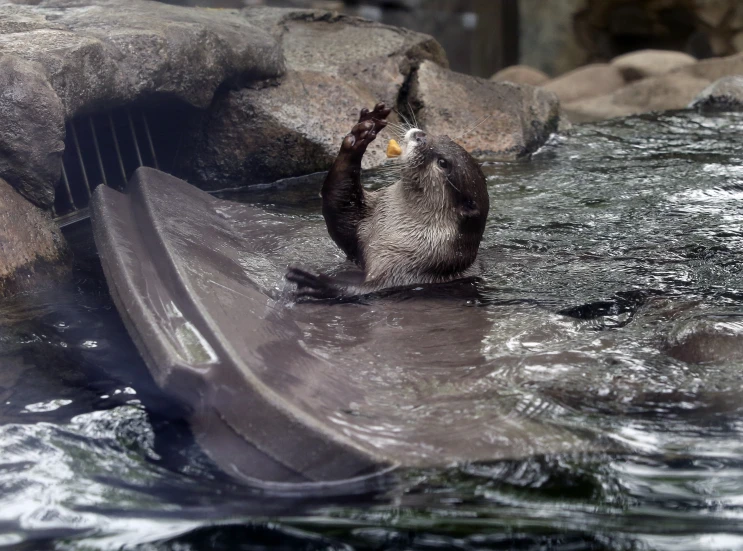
106 148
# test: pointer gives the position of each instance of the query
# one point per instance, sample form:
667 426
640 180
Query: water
611 306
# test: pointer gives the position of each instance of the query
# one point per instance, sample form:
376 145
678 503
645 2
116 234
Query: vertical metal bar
98 151
149 139
67 188
134 137
118 151
80 157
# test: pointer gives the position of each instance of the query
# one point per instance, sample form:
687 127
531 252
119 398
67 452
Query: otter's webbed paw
314 286
366 130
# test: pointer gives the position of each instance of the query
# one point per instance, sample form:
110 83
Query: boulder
725 94
673 90
521 74
492 120
33 131
590 81
261 135
715 68
31 244
336 65
102 53
650 63
669 91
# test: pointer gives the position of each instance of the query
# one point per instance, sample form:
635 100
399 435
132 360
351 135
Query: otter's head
441 176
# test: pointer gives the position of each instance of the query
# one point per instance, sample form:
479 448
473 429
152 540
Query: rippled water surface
612 307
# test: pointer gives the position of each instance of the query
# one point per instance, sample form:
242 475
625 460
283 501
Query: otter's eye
443 163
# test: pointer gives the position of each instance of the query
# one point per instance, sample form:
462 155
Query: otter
424 228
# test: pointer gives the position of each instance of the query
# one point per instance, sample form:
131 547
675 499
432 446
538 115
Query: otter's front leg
342 195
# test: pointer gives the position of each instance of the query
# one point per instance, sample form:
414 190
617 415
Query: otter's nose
419 136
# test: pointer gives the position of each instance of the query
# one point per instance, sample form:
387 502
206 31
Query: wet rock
586 82
673 90
715 68
725 94
31 245
493 120
32 133
100 53
670 91
650 63
708 341
335 66
261 135
521 74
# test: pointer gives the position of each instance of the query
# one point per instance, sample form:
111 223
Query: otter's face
442 175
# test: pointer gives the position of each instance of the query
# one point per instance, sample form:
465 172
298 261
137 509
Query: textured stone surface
673 90
511 120
31 245
669 91
105 52
725 94
521 74
32 131
335 66
586 82
715 68
650 63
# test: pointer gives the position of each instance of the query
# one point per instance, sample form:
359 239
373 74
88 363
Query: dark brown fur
425 228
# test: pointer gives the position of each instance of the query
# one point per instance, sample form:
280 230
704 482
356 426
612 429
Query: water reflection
611 309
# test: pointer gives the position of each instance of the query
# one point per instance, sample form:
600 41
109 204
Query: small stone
521 74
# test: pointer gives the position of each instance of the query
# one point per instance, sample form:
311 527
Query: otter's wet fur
424 228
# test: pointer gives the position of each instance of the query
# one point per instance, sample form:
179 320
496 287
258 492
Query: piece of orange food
393 149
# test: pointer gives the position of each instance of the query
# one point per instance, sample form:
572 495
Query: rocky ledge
335 65
275 91
640 82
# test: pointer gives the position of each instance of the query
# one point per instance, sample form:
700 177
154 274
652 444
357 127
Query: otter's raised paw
313 286
366 130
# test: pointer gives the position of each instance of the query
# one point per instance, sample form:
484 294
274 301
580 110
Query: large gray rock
100 53
31 245
492 120
335 66
725 94
32 131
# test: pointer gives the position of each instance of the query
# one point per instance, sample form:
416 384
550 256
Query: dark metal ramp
198 325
